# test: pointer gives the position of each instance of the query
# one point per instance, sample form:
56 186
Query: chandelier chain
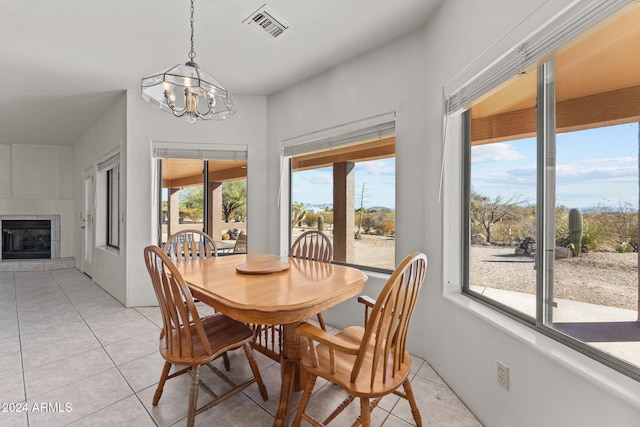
192 53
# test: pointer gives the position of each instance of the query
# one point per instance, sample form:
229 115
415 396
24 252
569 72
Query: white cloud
613 160
573 174
377 168
318 178
501 152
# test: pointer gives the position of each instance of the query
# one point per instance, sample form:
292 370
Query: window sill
110 249
615 383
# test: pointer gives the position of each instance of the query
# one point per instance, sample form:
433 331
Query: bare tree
485 211
357 235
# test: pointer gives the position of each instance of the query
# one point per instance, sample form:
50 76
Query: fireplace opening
26 239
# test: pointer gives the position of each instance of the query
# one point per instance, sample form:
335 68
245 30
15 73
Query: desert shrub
593 237
328 217
310 219
192 214
626 247
368 222
385 228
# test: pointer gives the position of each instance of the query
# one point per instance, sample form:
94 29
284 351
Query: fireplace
29 237
26 239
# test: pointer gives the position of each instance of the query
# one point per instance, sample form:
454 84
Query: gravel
603 278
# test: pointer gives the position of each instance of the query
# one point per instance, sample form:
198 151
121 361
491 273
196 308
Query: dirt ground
603 278
371 250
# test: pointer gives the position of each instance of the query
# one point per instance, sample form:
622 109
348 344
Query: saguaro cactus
320 223
575 231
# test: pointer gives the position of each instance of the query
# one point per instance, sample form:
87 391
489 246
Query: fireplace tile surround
54 263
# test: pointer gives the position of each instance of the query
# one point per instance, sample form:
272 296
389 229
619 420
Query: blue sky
379 176
594 167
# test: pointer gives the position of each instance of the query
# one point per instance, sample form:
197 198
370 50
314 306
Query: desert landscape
370 250
603 278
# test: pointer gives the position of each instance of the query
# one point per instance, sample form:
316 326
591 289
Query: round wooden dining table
270 290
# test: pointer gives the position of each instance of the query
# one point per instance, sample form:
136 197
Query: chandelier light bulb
188 79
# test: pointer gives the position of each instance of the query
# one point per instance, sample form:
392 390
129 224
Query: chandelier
187 91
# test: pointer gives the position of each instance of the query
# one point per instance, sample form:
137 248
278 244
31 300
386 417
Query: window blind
357 131
200 151
567 24
108 163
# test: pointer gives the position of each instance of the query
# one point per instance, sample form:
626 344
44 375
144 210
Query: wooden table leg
293 376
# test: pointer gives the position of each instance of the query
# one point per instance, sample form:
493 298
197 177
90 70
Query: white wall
36 180
551 385
104 138
146 124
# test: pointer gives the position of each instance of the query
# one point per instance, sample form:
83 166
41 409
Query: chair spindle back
180 319
387 327
312 245
183 247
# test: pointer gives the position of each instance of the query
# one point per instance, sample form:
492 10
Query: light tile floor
70 354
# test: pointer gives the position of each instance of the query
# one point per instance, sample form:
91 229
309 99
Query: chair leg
306 395
408 391
163 379
256 371
321 321
365 412
225 359
193 395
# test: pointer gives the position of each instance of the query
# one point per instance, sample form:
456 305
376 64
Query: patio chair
312 245
241 244
188 340
183 246
370 362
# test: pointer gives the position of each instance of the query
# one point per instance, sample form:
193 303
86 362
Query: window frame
112 175
362 130
372 269
545 204
195 151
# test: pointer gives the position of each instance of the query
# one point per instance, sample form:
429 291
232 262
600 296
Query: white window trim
356 131
378 126
577 17
166 150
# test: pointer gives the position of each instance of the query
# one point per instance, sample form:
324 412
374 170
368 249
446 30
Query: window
551 205
349 194
112 174
219 207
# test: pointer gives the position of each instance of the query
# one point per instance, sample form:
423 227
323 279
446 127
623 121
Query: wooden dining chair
188 340
183 246
190 245
311 245
370 362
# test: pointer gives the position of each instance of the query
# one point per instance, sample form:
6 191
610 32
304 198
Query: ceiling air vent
267 22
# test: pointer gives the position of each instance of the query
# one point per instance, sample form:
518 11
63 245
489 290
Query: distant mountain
315 207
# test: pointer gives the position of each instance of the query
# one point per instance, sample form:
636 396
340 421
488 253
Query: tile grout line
24 381
105 351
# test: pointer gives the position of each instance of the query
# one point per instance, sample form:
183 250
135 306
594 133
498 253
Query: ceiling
65 62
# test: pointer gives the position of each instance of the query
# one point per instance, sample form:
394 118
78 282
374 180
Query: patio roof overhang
179 173
598 84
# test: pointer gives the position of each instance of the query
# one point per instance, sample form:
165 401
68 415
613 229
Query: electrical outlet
503 376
